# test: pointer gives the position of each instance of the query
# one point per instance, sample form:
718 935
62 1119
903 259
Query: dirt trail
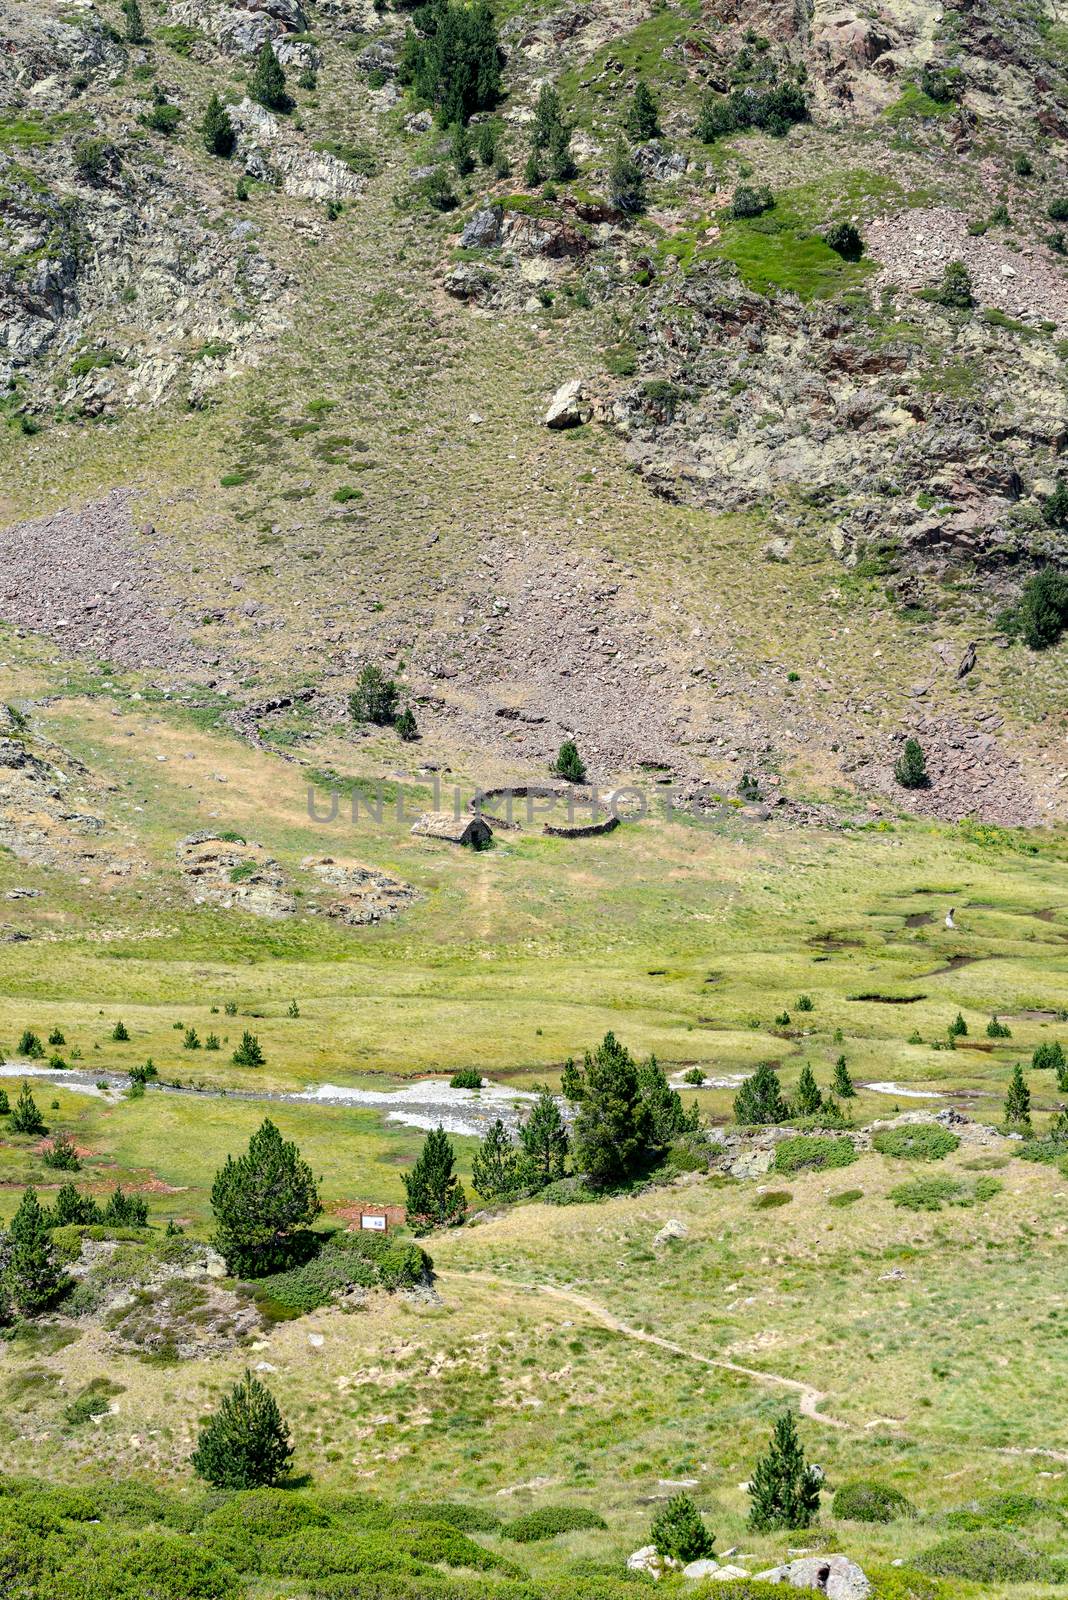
809 1399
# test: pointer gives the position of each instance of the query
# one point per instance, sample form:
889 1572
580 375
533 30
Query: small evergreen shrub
864 1501
772 1199
679 1532
921 1141
910 769
845 241
845 1197
546 1523
808 1151
751 201
466 1078
987 1558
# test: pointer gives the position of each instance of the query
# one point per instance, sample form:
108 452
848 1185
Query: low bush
268 1514
795 1155
466 1078
845 1197
551 1520
921 1141
928 1194
864 1501
987 1558
138 1566
1000 1511
347 1261
468 1519
751 201
771 1199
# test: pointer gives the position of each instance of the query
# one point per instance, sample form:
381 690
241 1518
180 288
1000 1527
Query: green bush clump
551 1520
137 1566
466 1078
771 1199
864 1501
347 1261
751 201
795 1155
846 1197
468 1519
916 1142
1000 1511
988 1558
268 1514
929 1194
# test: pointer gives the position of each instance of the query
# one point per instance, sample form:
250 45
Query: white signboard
374 1224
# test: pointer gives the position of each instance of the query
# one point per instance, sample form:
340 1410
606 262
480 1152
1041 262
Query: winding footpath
809 1398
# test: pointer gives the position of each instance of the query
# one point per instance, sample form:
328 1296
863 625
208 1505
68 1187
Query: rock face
569 406
273 153
833 1575
244 28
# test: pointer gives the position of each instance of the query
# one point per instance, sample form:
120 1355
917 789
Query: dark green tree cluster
135 25
955 290
1041 614
679 1532
436 1197
1018 1100
569 765
268 81
249 1052
502 1169
73 1209
217 130
759 1102
451 59
627 1115
550 141
910 768
374 699
32 1278
261 1200
773 110
643 114
784 1490
26 1117
246 1444
626 181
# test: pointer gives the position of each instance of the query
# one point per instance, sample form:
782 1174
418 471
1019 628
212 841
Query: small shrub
864 1501
808 1151
92 158
549 1521
466 1078
955 289
679 1533
62 1155
750 201
910 768
987 1558
30 1046
845 241
695 1075
1049 1057
374 698
569 765
916 1142
996 1029
845 1197
928 1194
626 181
772 1199
120 1034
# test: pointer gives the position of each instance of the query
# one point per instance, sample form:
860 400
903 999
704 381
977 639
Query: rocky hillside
716 426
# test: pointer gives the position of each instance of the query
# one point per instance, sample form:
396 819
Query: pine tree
759 1101
217 130
956 287
613 1132
259 1200
135 26
62 1155
486 143
26 1118
406 727
544 1142
808 1100
495 1168
33 1278
1018 1100
547 117
436 1197
626 182
910 769
572 1083
191 1041
73 1208
268 81
374 698
1049 1057
5 1104
958 1028
561 161
784 1490
30 1046
667 1117
246 1444
678 1531
569 764
120 1033
460 151
843 1083
643 117
125 1210
248 1052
